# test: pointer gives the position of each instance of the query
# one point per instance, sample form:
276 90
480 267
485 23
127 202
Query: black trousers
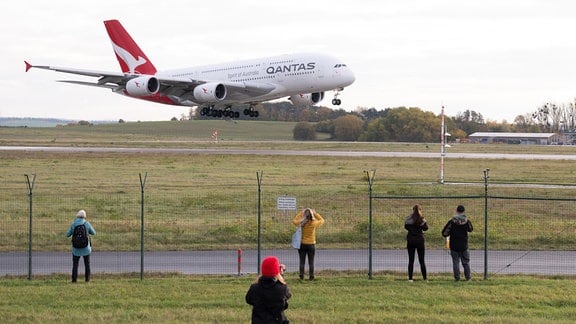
307 250
412 248
75 261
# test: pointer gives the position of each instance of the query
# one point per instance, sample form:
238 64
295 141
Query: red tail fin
131 58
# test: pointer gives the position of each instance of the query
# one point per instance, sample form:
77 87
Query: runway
226 151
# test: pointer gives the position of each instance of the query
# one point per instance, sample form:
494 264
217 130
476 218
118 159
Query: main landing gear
219 113
251 112
210 111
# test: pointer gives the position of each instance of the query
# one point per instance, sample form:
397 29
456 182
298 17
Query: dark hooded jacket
457 228
269 299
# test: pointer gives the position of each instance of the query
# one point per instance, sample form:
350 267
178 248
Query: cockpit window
339 65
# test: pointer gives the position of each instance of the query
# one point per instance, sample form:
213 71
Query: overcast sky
501 58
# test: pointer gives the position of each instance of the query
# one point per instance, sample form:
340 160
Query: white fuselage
289 75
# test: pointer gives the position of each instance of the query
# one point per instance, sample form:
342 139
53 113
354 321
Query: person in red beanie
269 294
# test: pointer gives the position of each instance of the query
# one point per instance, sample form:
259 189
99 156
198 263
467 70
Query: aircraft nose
349 76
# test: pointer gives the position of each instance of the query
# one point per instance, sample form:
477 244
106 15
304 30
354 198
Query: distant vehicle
216 88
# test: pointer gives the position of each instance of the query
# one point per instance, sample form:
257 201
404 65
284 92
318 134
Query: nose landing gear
336 101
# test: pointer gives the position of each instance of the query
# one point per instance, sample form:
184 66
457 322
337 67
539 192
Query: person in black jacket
457 230
415 224
269 294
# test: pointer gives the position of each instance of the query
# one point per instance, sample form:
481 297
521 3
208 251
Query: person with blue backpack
80 230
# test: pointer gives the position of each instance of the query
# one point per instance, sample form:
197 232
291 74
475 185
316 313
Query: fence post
30 189
142 185
259 179
486 223
370 178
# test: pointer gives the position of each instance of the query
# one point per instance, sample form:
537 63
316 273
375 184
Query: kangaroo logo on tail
131 58
128 59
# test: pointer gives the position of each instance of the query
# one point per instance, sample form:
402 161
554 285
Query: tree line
407 124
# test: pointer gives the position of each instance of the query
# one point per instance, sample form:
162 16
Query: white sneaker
410 280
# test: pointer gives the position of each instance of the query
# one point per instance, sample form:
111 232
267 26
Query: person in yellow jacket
310 220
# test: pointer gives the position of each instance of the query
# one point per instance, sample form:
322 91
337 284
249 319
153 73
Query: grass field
185 190
232 134
333 298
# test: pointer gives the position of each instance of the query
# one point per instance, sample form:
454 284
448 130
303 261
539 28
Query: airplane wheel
338 102
334 102
256 114
246 112
236 114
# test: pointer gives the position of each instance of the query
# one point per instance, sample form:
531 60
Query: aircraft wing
178 89
74 71
110 80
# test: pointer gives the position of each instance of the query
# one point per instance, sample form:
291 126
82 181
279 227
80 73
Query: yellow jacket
309 229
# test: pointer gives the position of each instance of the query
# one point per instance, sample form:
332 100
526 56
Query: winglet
28 66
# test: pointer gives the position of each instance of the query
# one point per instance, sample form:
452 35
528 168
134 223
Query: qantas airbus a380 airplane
215 88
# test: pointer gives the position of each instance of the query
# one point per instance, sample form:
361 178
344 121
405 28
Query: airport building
514 138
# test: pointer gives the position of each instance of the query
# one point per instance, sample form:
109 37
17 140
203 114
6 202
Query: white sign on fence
286 203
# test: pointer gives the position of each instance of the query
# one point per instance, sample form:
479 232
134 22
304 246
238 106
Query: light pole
442 147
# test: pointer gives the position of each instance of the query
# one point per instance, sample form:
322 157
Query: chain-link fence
517 228
216 229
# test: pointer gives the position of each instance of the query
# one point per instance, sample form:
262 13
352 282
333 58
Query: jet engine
142 86
209 92
307 99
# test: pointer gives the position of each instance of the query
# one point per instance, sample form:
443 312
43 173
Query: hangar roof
511 135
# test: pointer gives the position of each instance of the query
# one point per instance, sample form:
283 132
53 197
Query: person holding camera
415 224
269 294
310 220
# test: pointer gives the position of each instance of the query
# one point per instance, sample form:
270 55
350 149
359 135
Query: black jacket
457 228
269 299
415 232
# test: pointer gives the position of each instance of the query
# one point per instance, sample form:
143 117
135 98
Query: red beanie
270 266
